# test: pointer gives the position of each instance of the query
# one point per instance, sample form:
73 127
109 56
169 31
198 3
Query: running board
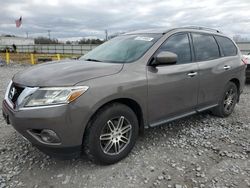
181 116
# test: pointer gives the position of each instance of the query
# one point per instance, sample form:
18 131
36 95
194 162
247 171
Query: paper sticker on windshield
144 38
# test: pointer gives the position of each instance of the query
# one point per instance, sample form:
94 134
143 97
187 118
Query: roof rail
201 28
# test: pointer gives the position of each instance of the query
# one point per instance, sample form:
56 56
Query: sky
75 19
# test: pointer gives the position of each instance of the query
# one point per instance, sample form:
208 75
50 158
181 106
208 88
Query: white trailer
9 41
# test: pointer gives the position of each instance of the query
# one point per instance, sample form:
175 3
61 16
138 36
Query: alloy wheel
116 135
229 100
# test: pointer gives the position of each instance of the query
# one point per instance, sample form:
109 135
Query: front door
173 89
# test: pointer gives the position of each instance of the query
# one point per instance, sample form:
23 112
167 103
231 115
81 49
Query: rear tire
228 101
111 134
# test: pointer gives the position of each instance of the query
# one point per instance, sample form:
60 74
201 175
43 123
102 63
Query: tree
90 41
239 38
44 40
9 35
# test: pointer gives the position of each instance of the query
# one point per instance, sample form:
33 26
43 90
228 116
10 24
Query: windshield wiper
95 60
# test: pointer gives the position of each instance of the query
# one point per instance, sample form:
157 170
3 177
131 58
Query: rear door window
178 44
205 47
227 46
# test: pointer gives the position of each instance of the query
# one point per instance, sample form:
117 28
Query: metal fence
82 49
54 48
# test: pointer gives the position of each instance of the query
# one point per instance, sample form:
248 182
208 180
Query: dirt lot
199 151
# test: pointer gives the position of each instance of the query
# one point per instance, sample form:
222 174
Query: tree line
44 40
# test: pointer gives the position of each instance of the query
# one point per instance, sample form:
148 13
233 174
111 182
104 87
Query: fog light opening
49 136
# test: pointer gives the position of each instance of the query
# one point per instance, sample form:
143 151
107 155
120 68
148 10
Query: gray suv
138 80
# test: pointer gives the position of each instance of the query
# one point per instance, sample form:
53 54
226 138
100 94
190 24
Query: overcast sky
86 18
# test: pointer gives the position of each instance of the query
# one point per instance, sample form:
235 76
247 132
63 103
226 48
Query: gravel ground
199 151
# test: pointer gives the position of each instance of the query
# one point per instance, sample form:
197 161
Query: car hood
64 73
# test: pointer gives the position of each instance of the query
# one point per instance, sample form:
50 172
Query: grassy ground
38 58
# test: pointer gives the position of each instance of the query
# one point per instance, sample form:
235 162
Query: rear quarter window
227 46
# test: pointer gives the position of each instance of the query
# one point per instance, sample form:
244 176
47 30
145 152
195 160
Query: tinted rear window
205 47
228 47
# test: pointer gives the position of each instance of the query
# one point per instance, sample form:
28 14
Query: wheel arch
237 83
132 104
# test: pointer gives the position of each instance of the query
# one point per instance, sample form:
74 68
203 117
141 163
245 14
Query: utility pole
27 34
106 34
49 33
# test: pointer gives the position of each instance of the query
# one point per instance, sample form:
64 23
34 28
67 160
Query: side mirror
165 58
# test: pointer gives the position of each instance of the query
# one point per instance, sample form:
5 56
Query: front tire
228 101
111 134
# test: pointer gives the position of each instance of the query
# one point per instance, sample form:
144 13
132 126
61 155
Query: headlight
56 95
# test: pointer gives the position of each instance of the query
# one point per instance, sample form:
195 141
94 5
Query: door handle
192 74
227 67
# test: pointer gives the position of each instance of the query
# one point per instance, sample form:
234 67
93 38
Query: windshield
122 49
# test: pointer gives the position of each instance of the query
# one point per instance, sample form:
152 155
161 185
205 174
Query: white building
8 41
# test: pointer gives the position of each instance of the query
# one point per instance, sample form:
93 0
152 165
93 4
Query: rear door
214 69
173 89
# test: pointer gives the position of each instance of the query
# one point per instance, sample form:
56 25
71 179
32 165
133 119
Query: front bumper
64 120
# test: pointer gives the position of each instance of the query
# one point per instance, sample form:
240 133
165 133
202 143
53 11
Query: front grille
14 93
